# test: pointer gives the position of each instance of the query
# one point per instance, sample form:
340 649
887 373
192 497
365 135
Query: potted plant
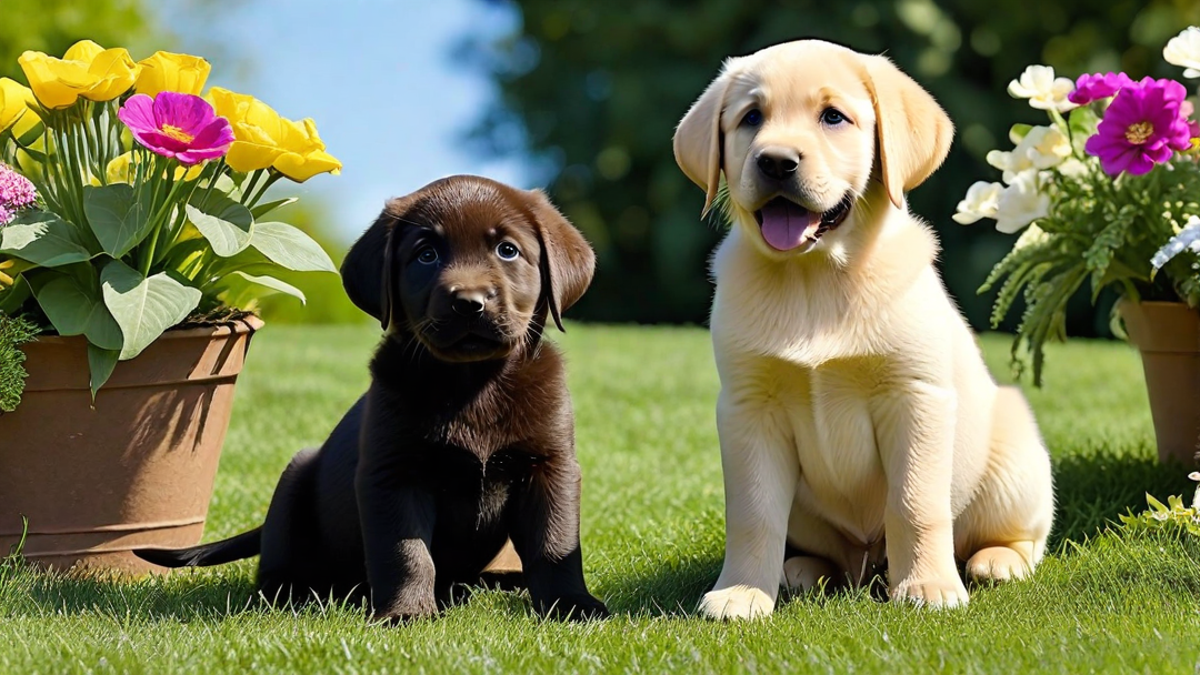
1107 196
134 239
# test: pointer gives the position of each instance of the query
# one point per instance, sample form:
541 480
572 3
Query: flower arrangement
1106 194
130 204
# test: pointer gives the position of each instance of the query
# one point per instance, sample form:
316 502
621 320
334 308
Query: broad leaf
144 307
263 209
101 363
288 246
223 222
74 308
265 281
119 218
13 297
43 238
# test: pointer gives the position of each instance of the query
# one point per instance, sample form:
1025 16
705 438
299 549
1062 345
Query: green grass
652 536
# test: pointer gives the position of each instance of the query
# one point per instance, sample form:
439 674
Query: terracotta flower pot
133 469
1168 336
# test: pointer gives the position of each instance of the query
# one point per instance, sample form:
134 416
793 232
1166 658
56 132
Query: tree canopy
592 91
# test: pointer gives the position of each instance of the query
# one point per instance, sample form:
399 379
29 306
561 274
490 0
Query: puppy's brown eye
752 118
833 117
507 250
427 255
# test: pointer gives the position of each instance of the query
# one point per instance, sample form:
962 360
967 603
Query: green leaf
118 217
266 282
1018 131
288 246
12 299
101 363
45 239
74 308
225 223
263 209
1082 123
144 307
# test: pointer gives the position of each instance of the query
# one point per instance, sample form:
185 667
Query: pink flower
16 193
1143 126
1090 88
182 126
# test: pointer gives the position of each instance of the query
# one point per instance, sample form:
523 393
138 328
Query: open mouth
786 225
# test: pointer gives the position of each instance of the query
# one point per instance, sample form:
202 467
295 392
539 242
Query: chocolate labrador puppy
466 436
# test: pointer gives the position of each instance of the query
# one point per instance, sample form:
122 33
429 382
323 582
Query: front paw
405 610
937 593
736 602
573 608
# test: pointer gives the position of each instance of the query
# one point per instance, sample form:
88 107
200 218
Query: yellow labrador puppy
857 420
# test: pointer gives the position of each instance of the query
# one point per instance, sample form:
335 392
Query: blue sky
377 77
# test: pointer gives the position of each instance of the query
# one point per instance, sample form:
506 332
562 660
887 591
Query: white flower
1073 168
1045 147
1020 203
1041 148
1044 91
1188 238
1184 50
1032 235
980 202
1195 475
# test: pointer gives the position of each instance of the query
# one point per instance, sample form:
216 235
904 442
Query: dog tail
244 545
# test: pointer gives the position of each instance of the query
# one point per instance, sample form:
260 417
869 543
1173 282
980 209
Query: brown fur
465 438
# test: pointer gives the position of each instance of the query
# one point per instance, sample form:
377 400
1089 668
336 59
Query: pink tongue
786 225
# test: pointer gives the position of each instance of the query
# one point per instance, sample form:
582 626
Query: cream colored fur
854 400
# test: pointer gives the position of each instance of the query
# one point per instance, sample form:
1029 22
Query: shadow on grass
673 588
1093 490
28 590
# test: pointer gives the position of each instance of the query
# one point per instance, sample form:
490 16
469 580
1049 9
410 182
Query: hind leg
819 554
1002 533
286 569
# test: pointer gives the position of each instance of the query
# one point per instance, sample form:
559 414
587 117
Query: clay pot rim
247 324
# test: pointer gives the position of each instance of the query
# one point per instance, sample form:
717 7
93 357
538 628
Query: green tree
593 91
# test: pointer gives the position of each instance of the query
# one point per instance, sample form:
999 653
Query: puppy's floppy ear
567 261
699 140
367 271
914 133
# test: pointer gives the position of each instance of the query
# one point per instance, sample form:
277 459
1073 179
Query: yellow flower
9 269
264 139
86 70
15 100
121 170
172 72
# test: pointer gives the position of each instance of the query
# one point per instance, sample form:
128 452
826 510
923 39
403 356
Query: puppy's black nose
468 303
778 163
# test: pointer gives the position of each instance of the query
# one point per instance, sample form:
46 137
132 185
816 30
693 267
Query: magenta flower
16 193
182 126
1143 126
1090 88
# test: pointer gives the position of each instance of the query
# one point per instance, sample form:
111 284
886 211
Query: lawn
653 542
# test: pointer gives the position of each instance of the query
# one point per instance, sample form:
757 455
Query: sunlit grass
652 536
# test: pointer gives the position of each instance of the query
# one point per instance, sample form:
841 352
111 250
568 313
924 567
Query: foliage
1172 518
151 206
594 90
1090 218
14 332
